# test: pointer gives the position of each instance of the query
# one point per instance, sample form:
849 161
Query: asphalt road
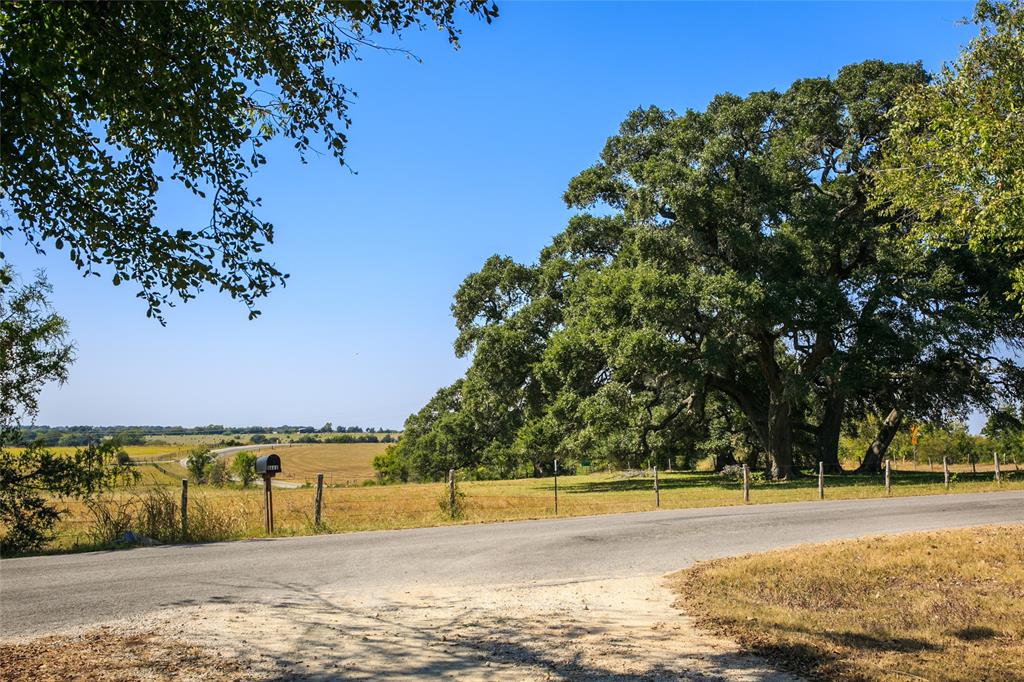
41 594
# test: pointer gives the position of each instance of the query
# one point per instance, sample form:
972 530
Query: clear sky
458 157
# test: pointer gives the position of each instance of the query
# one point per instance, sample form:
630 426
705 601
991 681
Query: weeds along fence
153 513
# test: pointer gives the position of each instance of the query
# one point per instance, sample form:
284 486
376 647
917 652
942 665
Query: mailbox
268 465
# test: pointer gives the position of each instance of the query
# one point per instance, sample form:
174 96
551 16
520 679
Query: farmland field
340 463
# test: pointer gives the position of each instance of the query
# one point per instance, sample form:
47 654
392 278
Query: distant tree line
78 436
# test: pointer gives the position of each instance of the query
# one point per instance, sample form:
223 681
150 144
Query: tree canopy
956 150
727 286
98 95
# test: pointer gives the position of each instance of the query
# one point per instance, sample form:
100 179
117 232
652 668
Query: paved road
39 594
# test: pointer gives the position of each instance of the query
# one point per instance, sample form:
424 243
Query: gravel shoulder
618 629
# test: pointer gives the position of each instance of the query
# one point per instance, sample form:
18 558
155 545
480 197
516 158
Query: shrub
198 463
244 468
391 467
452 506
31 478
218 473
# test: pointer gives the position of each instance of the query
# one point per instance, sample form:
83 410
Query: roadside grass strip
946 605
235 513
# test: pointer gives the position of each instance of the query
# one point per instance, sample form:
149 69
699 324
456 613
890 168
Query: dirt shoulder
621 629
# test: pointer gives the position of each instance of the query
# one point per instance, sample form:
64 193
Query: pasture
340 463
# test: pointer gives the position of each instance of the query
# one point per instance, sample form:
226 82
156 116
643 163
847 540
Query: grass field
136 452
165 473
236 513
943 605
340 463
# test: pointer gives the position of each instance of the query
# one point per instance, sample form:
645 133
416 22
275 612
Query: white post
657 493
995 460
451 493
746 484
888 487
945 471
821 480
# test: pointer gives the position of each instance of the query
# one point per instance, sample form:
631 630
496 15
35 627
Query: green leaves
956 152
94 94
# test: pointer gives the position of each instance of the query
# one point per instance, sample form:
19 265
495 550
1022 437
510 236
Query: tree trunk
872 462
780 441
724 459
828 435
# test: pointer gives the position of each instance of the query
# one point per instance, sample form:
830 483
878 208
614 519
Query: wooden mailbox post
268 467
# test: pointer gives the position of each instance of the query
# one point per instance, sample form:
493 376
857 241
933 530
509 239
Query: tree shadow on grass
824 662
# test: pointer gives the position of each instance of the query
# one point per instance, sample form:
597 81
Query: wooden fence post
821 480
556 487
184 508
945 471
268 505
451 493
319 500
746 484
888 479
657 493
995 460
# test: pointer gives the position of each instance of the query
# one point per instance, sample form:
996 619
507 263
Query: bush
30 480
198 464
390 466
453 507
218 473
244 468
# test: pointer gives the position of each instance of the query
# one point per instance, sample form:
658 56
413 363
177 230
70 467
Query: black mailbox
268 465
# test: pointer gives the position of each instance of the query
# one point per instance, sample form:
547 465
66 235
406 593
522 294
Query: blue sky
458 157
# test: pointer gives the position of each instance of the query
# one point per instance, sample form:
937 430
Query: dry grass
102 655
136 452
943 605
340 463
161 473
416 505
